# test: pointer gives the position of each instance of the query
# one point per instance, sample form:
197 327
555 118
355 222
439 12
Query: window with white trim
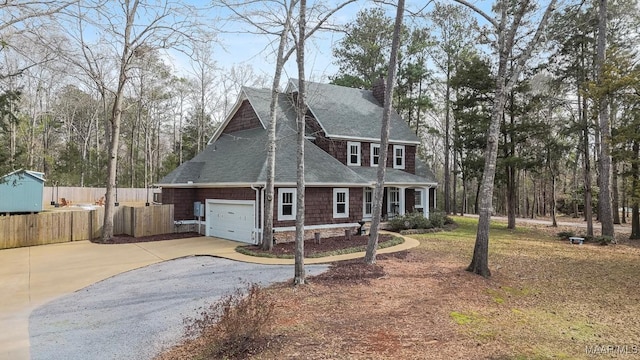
353 153
367 203
398 156
286 204
375 154
340 203
418 199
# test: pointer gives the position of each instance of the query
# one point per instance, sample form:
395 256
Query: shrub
565 234
440 219
236 325
603 240
414 220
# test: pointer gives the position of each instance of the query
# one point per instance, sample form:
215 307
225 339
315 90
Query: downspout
258 212
262 195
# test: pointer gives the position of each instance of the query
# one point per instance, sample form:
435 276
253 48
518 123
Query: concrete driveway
33 276
138 314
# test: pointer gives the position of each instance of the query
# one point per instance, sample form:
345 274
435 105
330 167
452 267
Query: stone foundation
290 236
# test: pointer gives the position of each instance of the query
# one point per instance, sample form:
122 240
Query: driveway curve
138 314
32 277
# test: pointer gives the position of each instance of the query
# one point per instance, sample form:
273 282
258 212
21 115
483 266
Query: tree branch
526 54
480 12
34 13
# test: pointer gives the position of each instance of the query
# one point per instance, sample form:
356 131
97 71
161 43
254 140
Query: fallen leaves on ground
545 299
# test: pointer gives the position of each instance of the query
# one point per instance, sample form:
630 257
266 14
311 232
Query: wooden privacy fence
65 226
90 195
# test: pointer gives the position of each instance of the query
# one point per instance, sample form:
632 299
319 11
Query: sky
237 47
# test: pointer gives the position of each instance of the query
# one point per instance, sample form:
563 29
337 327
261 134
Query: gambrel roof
239 158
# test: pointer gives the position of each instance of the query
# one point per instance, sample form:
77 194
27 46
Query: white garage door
231 219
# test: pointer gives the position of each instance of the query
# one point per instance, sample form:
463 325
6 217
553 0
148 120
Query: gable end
243 119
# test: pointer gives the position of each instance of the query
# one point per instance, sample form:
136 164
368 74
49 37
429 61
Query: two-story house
342 153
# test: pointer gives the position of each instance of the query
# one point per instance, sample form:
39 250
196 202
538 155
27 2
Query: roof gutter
374 140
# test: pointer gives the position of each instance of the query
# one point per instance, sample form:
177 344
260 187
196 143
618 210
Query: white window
340 203
393 202
418 201
375 154
367 203
286 204
398 156
353 153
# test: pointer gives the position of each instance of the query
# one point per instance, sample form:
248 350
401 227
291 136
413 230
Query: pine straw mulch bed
311 248
545 299
128 239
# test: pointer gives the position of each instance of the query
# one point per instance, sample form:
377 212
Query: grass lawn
546 299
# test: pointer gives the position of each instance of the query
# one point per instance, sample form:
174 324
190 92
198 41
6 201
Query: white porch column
401 193
425 203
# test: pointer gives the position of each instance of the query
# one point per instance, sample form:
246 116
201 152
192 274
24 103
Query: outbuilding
21 192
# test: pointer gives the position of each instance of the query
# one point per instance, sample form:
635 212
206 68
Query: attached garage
231 219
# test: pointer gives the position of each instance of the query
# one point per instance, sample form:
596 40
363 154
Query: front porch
400 200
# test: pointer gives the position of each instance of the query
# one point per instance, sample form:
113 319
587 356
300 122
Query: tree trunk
554 221
114 125
372 245
615 200
525 200
504 83
575 184
480 260
635 184
454 185
112 163
267 233
299 274
588 215
624 198
447 146
510 151
463 202
476 201
604 196
511 198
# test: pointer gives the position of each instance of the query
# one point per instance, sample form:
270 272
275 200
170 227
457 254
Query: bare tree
164 25
512 18
372 245
269 23
203 69
26 16
299 275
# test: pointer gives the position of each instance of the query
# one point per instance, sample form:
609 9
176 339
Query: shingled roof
349 113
